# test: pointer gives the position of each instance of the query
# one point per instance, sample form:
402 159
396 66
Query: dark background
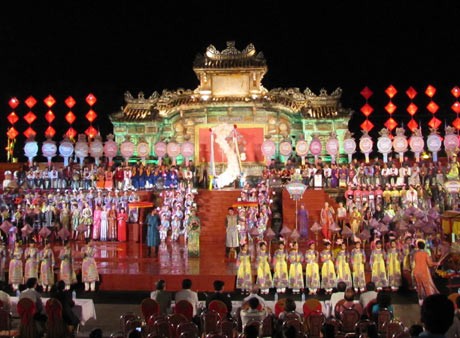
105 48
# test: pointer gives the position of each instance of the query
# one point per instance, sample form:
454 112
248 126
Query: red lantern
70 117
49 101
91 116
430 91
391 124
91 132
50 132
12 133
91 100
49 116
71 133
30 101
456 106
30 117
412 108
412 125
12 118
70 102
390 107
29 132
13 102
367 109
434 123
391 91
367 125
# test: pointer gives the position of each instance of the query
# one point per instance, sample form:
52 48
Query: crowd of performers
27 261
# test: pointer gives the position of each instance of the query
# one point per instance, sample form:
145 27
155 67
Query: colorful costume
394 268
31 266
67 273
328 276
358 259
16 268
312 281
280 270
244 273
378 271
47 268
89 271
343 268
295 271
264 275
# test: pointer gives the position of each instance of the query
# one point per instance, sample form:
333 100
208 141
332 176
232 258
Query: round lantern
285 150
384 144
268 149
173 150
96 149
110 149
301 149
434 143
451 142
417 143
160 151
81 148
127 148
400 143
349 145
143 149
66 149
31 149
187 150
316 147
49 150
332 146
365 145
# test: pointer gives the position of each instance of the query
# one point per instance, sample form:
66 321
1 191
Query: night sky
105 48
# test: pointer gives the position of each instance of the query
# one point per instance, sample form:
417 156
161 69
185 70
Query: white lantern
127 148
365 145
332 146
81 148
66 149
49 150
417 143
31 149
349 145
110 149
400 143
384 144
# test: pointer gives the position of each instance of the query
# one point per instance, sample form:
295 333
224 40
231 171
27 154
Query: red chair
279 306
124 318
175 320
368 309
315 323
311 305
383 317
5 322
163 328
268 326
26 311
228 327
349 318
218 306
184 307
188 329
149 307
393 328
210 322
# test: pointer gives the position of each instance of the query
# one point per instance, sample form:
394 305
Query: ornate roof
230 58
138 109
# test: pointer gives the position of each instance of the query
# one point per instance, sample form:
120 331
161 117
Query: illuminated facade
230 91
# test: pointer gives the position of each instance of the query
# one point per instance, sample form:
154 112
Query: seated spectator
338 295
253 313
251 332
162 296
437 315
4 297
368 295
383 302
350 302
31 293
65 297
289 309
219 295
187 294
255 294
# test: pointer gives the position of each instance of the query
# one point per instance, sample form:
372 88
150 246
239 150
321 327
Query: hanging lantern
432 107
412 108
96 148
91 116
434 143
81 148
127 148
30 149
301 149
12 133
143 148
384 144
173 150
400 143
391 124
367 109
70 102
285 150
187 150
365 145
160 151
332 146
110 149
66 149
268 148
451 142
13 103
49 101
91 100
349 145
456 106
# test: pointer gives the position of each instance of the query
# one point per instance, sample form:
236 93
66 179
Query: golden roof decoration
230 52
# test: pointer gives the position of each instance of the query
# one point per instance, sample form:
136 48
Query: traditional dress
122 218
421 270
112 224
343 268
280 270
3 254
328 276
295 270
104 225
67 272
153 235
244 272
394 268
47 267
16 268
355 221
264 275
31 266
97 223
89 273
378 271
312 280
327 218
358 259
231 224
302 217
193 236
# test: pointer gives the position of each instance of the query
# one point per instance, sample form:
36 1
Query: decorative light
412 108
91 116
70 117
12 133
456 107
367 109
49 101
70 102
391 124
13 103
91 100
432 107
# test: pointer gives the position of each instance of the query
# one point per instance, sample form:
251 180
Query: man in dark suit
219 295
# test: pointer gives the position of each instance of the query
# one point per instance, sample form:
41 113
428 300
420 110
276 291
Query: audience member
383 302
338 295
251 332
219 295
289 308
368 295
187 294
437 315
65 297
454 330
255 294
253 313
162 296
4 297
31 293
350 302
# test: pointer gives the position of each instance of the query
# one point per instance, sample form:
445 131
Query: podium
137 227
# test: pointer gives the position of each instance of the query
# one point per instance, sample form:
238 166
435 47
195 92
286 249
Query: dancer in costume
295 269
244 272
47 262
342 267
393 261
358 260
312 280
280 269
89 271
31 266
328 276
264 274
66 271
377 263
15 270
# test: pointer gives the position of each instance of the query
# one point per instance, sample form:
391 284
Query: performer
328 276
312 281
153 223
104 224
75 219
15 270
355 220
64 216
358 260
327 218
89 271
67 272
122 218
112 223
97 222
231 222
302 217
244 272
377 263
342 266
193 234
264 275
295 269
280 270
3 255
47 267
393 261
31 266
422 263
87 220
